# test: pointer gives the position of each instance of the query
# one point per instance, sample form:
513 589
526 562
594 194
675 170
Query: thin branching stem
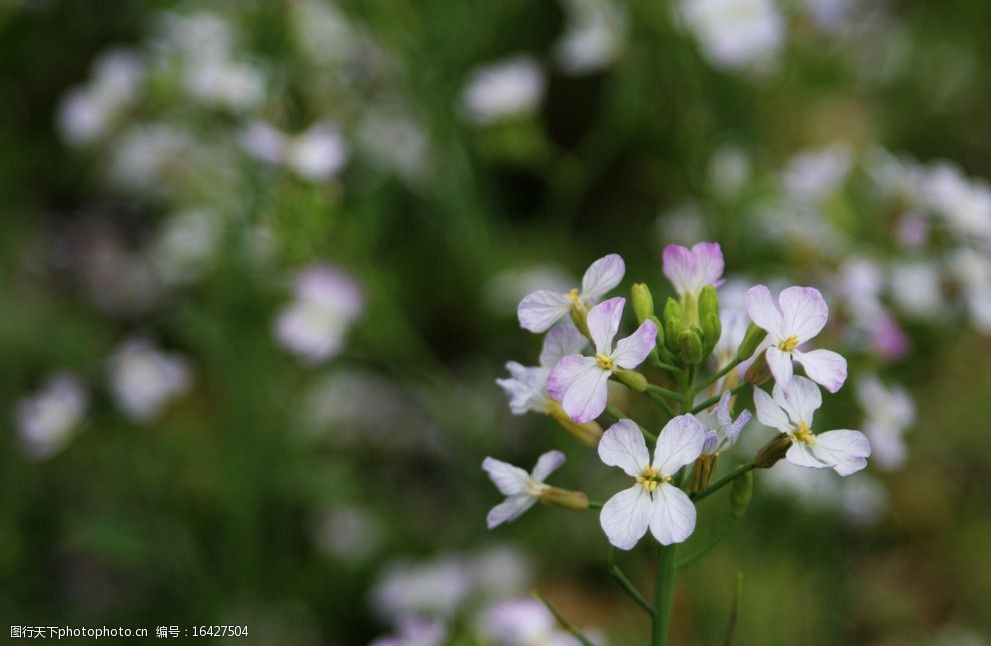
725 480
712 401
627 585
562 621
663 402
613 410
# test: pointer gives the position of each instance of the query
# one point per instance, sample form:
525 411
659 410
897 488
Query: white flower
144 379
435 588
800 314
541 309
890 412
502 90
736 33
916 288
813 175
592 36
327 302
522 489
653 501
522 622
973 270
690 270
317 154
734 328
580 382
48 420
965 205
347 532
87 113
790 411
415 631
722 431
185 245
527 387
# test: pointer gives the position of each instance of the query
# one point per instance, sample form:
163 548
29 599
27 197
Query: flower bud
712 329
564 498
587 432
673 311
758 372
672 330
751 340
740 494
631 379
643 302
773 451
708 302
690 346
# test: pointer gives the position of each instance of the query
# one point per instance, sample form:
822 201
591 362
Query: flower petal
547 464
764 312
679 267
801 398
560 342
679 443
601 276
526 390
672 518
509 510
603 323
847 451
804 312
779 362
541 309
623 446
625 517
509 479
769 412
825 367
631 351
708 263
580 385
800 454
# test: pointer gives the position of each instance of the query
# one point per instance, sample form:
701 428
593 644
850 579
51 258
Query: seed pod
564 498
587 432
758 372
770 453
741 492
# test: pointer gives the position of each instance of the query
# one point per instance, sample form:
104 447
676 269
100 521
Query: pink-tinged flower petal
764 312
509 479
625 517
780 364
603 323
804 312
679 443
824 367
541 309
679 267
602 275
672 518
769 412
580 385
547 464
509 510
623 446
709 263
800 454
846 451
631 351
561 341
800 399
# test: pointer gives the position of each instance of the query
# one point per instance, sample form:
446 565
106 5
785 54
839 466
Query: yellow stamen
573 296
804 434
650 479
604 362
789 344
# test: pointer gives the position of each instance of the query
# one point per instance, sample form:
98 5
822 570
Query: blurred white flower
415 631
863 500
964 204
435 588
859 499
509 88
324 34
736 34
49 419
729 170
144 379
522 622
87 112
231 85
396 142
813 175
683 225
316 154
500 572
973 270
916 288
592 37
890 412
185 244
505 290
145 154
347 532
327 301
201 34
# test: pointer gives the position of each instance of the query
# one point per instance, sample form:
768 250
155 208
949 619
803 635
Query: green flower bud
673 311
751 340
708 302
643 302
740 493
564 498
690 346
770 453
631 379
712 329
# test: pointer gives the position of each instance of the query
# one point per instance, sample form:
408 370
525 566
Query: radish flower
797 317
653 501
543 308
721 430
522 489
579 382
790 410
689 270
527 385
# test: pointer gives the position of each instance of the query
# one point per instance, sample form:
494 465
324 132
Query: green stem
666 366
626 584
664 595
618 414
663 402
595 504
722 373
663 391
699 553
725 480
715 400
561 620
